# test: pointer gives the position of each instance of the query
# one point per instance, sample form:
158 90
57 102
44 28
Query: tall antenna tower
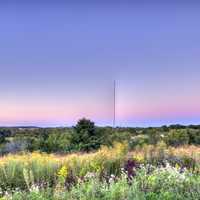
114 104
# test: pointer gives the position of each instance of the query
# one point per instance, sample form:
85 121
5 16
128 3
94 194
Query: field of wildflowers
153 172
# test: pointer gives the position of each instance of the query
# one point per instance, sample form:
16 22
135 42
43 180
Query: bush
154 136
177 137
139 140
194 136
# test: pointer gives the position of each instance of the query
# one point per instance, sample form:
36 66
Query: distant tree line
85 136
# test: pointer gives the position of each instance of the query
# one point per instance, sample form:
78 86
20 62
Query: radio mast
114 104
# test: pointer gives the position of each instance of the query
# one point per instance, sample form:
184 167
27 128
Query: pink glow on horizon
55 111
159 112
70 115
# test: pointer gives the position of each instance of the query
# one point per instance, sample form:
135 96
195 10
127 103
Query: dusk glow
58 63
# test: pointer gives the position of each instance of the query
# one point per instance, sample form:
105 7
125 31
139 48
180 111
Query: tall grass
16 169
23 171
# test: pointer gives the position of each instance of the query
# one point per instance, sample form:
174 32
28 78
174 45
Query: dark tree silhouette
86 136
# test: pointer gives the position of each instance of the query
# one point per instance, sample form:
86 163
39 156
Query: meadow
88 162
151 172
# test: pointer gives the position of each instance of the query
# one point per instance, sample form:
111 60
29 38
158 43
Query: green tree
86 136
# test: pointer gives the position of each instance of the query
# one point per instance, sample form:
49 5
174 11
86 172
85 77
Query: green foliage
149 183
85 136
2 139
120 136
177 137
153 134
138 141
53 141
57 142
3 134
194 136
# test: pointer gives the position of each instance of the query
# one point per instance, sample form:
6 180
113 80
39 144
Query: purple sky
58 62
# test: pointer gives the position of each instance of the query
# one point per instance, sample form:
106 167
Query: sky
58 61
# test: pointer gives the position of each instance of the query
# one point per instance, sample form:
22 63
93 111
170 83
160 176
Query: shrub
139 140
177 137
194 136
